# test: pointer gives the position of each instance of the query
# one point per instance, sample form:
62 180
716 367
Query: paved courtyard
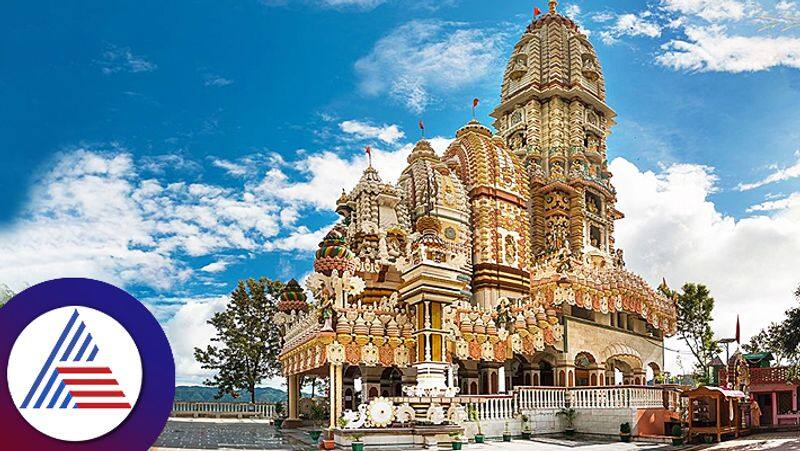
183 435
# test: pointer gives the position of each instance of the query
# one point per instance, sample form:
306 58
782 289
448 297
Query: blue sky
174 147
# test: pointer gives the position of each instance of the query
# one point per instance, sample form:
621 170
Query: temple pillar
293 420
536 377
774 407
640 377
611 377
336 393
501 379
332 395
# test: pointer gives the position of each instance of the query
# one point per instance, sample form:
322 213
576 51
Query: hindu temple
485 279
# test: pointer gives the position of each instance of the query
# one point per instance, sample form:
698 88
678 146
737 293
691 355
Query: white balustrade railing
263 410
495 407
544 398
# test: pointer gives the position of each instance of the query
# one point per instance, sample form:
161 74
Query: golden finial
553 4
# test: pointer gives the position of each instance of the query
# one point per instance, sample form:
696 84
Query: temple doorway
351 385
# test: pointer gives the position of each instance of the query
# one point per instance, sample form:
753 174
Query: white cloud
790 201
217 266
362 130
779 175
421 58
122 59
573 11
673 230
189 328
217 80
603 16
630 25
710 10
234 169
94 215
327 173
362 4
301 239
712 49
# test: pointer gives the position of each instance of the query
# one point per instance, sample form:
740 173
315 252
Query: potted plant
355 441
569 416
278 419
526 428
317 413
506 433
475 417
458 440
625 432
328 441
677 435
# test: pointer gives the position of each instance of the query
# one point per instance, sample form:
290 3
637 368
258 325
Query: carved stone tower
553 116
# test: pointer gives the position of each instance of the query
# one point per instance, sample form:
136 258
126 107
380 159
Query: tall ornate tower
553 116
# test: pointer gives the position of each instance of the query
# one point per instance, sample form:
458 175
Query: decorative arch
624 353
392 382
652 371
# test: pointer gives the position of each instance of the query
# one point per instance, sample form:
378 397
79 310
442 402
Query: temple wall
604 421
594 339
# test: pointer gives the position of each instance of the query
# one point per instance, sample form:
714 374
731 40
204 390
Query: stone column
293 420
774 408
292 385
641 375
332 395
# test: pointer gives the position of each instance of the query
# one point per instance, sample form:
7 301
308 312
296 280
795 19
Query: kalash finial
553 4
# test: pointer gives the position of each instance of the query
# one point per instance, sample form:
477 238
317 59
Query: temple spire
553 4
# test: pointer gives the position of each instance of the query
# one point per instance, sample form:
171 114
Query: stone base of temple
428 436
291 424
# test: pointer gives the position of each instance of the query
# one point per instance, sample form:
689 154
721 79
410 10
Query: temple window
516 117
784 402
582 313
594 204
596 237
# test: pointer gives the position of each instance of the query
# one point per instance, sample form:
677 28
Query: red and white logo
74 373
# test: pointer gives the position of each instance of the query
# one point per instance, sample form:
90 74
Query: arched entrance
542 364
392 382
623 365
585 368
653 373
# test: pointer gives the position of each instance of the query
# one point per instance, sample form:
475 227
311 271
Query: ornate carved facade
491 265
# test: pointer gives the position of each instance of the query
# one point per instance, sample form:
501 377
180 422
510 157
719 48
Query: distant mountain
206 394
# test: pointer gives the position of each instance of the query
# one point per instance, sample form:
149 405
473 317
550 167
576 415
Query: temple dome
551 54
422 149
334 253
292 298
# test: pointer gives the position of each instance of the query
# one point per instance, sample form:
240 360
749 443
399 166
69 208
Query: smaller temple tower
431 282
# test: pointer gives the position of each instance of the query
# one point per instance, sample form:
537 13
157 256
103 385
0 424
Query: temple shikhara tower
490 269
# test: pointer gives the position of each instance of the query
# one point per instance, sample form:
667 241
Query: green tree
247 343
695 306
767 340
782 339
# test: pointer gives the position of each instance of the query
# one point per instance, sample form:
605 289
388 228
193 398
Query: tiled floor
254 435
